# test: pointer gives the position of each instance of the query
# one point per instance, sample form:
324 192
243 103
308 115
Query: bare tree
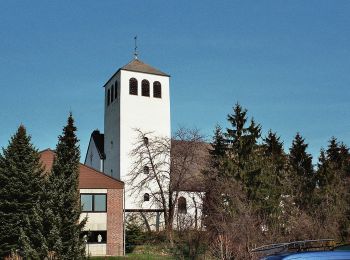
163 167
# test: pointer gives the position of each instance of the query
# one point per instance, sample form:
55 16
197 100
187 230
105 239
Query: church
137 98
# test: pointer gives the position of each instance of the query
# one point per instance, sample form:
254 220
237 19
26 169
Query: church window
112 93
146 197
145 88
133 86
108 97
116 89
157 89
146 169
182 205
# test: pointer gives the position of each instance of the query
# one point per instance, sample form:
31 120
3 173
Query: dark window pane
133 86
86 202
182 205
145 169
146 197
112 94
116 90
95 236
157 89
145 88
108 97
100 202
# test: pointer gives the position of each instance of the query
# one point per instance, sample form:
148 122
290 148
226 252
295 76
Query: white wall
132 112
95 220
93 161
112 132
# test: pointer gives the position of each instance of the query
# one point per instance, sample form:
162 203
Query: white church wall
93 159
194 211
148 114
112 132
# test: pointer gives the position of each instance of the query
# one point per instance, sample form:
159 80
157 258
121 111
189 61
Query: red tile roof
89 178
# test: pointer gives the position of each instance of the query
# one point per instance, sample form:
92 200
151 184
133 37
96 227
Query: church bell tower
137 96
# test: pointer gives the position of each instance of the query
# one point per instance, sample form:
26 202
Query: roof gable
89 178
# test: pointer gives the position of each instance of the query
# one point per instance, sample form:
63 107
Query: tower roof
139 66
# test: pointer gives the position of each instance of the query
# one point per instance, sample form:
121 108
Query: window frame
93 203
86 232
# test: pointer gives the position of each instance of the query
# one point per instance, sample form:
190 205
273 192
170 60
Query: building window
133 86
145 140
182 205
92 237
145 88
112 93
108 96
157 89
146 197
146 169
93 202
116 89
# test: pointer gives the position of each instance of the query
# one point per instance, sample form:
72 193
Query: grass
142 252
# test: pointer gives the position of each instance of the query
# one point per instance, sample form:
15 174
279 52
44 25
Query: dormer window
133 86
157 89
145 88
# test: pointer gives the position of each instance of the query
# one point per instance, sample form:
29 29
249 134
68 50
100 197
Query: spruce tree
241 139
302 172
63 227
219 147
21 182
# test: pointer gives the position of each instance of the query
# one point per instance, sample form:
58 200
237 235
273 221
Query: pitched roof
89 178
139 66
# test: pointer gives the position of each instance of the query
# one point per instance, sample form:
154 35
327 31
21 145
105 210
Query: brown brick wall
115 222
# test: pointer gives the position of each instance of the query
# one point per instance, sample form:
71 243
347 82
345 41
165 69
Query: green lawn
134 256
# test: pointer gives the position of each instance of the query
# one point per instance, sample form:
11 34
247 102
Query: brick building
102 203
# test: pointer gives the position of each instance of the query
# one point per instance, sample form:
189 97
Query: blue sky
287 62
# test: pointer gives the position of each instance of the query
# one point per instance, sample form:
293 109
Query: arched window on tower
145 88
145 169
146 197
133 86
116 89
157 89
182 205
112 93
108 96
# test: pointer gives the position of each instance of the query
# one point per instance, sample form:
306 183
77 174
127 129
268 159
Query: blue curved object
315 255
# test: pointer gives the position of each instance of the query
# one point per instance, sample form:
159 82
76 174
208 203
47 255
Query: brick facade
115 218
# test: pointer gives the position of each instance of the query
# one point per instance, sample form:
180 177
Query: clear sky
287 62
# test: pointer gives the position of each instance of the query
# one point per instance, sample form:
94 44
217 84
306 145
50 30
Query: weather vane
135 50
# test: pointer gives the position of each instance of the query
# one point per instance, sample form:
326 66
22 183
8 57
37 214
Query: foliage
21 184
62 224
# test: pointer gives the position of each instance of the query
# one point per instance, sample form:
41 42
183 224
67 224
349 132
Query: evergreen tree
21 182
241 139
219 147
63 227
302 171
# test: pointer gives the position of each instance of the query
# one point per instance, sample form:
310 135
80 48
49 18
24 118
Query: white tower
136 97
